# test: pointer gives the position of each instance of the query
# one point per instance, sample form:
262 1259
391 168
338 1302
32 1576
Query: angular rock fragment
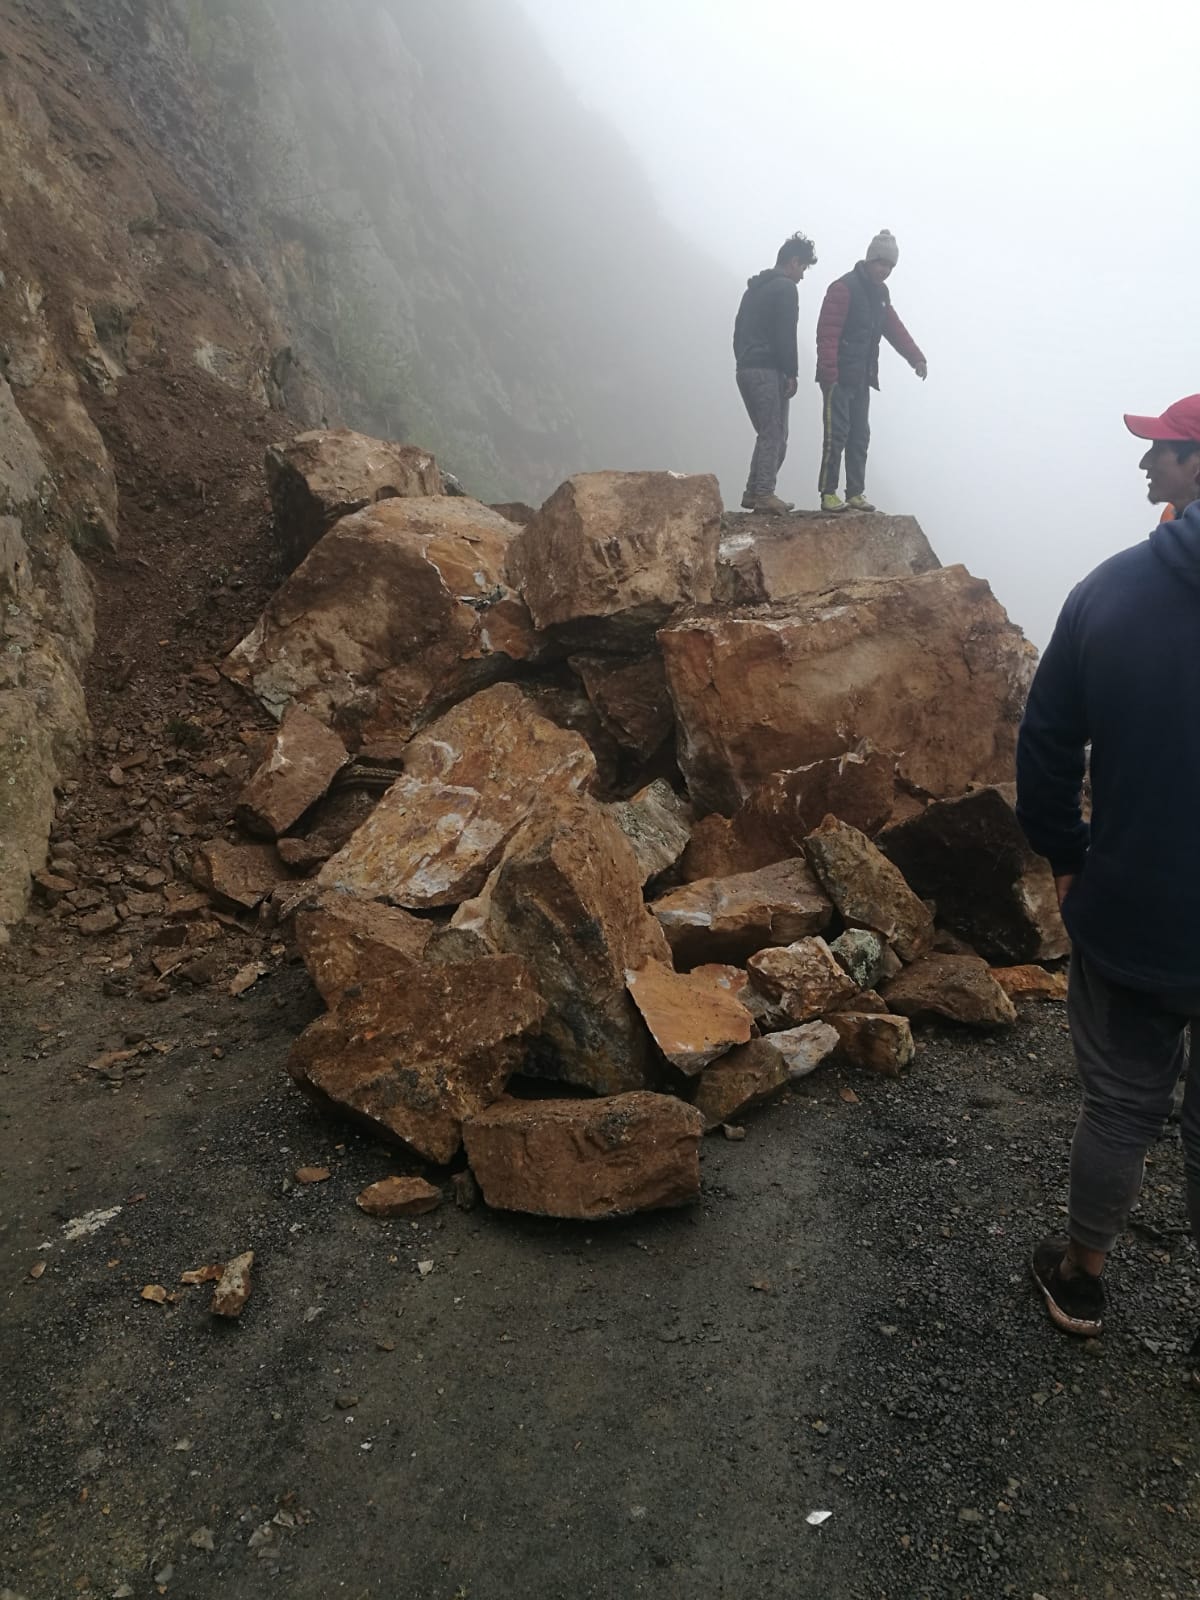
691 1020
610 555
466 936
399 1197
470 781
876 1040
728 919
1031 983
928 666
304 759
785 558
958 987
396 614
657 823
802 979
860 954
233 1286
970 857
804 1048
748 1076
515 511
345 941
567 896
587 1159
868 891
413 1059
631 696
236 876
319 477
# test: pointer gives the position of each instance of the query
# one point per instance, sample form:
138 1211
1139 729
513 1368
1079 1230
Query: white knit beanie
883 247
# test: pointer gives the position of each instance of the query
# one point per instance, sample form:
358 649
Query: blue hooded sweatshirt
1123 673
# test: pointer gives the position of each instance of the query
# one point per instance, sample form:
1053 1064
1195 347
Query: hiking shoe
771 504
859 502
1076 1304
832 502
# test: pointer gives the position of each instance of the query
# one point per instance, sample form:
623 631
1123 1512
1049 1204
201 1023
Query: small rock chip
37 1269
208 1274
311 1174
102 921
424 1268
345 1402
202 1539
399 1197
731 1131
233 1286
246 977
466 1190
155 1292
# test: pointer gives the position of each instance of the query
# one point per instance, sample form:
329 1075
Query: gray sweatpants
847 419
1130 1048
764 391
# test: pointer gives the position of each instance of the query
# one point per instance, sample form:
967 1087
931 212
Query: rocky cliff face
216 212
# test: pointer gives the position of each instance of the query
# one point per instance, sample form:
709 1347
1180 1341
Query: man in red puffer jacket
857 312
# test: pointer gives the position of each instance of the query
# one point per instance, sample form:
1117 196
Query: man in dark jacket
764 346
856 313
1122 673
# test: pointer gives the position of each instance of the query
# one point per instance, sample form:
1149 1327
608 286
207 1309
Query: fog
1034 166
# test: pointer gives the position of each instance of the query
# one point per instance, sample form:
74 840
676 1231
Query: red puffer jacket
855 314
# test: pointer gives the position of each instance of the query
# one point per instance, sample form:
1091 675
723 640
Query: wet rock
471 779
804 1048
879 1041
657 823
236 876
317 478
396 614
970 857
728 919
304 758
344 941
1031 983
631 698
399 1197
413 1059
587 1159
233 1286
802 979
567 896
958 987
784 558
868 891
748 1076
862 955
928 666
610 555
691 1020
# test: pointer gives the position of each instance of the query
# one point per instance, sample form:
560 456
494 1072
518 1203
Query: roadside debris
233 1287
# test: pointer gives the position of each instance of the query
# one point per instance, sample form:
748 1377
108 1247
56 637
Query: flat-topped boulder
397 613
781 558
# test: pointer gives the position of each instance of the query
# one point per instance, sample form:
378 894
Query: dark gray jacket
764 334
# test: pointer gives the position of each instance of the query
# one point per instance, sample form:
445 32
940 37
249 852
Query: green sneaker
859 502
832 502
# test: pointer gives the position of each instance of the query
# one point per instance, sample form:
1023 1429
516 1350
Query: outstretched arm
898 336
1052 756
829 331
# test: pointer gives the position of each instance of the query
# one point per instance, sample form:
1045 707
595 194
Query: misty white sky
1035 164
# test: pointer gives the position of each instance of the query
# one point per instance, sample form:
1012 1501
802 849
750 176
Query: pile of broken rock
634 808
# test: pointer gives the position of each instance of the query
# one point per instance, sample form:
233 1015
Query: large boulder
611 555
345 941
567 896
317 478
928 666
958 987
587 1159
728 919
657 823
631 697
304 758
470 780
970 857
413 1058
868 890
398 612
785 557
801 979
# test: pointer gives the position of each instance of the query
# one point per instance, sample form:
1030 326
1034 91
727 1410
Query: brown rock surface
928 666
568 897
397 613
238 876
233 1286
803 979
631 698
611 554
691 1020
413 1059
1031 983
317 478
304 758
784 558
471 779
728 919
873 1039
868 891
748 1076
958 987
970 857
587 1159
345 941
657 823
399 1197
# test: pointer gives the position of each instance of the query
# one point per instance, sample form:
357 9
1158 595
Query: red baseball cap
1178 422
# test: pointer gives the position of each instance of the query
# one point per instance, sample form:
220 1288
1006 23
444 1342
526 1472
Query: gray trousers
847 416
1130 1048
764 391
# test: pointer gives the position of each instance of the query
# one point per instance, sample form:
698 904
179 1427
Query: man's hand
922 370
789 388
1062 887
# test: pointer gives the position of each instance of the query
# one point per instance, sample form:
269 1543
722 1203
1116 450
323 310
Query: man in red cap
1172 463
1117 694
